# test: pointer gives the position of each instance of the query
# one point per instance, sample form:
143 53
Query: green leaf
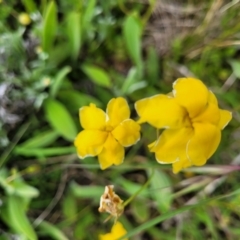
235 67
60 119
131 187
88 14
74 99
140 209
93 192
59 53
23 190
74 33
44 152
82 225
161 190
29 5
152 66
97 75
17 219
130 80
58 81
17 186
49 26
69 206
132 36
42 139
48 229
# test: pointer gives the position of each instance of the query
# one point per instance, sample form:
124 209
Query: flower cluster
191 124
189 116
192 121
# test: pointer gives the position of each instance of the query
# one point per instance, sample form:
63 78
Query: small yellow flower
192 121
24 19
117 232
106 134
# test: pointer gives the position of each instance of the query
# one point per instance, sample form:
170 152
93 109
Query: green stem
122 7
15 140
141 189
158 133
148 14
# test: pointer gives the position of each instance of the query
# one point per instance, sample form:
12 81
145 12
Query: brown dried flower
110 202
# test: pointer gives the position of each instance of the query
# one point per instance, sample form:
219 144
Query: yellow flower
117 232
24 19
192 121
106 134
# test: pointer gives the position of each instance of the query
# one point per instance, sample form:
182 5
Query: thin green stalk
140 190
16 138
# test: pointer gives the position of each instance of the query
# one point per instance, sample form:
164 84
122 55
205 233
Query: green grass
76 52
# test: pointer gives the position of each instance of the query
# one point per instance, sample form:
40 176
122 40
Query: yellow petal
161 111
210 114
225 118
112 153
204 143
212 98
127 132
151 145
171 145
92 117
179 165
117 111
90 142
117 232
192 94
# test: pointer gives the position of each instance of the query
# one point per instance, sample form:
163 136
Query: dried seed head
110 202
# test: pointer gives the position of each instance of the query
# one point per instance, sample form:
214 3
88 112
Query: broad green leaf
152 66
60 119
74 99
42 139
49 230
105 95
23 190
97 75
17 186
59 53
131 187
74 33
132 36
49 28
88 14
136 86
82 225
44 152
17 217
58 81
130 80
29 5
161 190
140 209
69 206
235 67
93 192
